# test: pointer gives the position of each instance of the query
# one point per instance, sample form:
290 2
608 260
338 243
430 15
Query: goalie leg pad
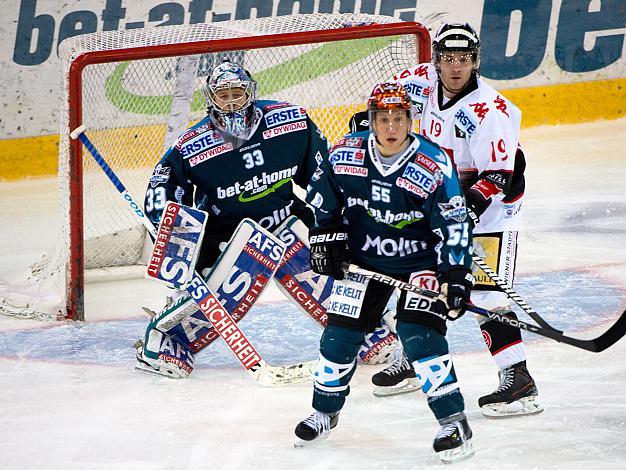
164 355
378 346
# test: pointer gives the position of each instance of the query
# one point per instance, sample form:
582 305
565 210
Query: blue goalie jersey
401 218
232 180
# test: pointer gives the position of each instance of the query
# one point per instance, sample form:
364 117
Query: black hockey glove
454 292
329 250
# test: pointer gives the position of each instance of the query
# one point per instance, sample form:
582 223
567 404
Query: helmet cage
231 116
456 38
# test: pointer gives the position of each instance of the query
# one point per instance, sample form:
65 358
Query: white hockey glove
454 292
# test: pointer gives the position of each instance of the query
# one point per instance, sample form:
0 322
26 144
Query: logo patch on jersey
350 170
416 90
269 107
465 122
411 187
453 209
459 133
354 142
425 162
210 153
284 115
423 179
393 247
160 175
258 186
287 128
199 143
353 157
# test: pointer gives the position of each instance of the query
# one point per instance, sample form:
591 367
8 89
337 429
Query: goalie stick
208 304
602 342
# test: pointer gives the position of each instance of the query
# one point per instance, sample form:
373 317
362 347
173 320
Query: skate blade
151 370
456 455
406 386
524 406
300 443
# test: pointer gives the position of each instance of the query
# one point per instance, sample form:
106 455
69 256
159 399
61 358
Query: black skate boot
397 378
315 428
516 394
453 441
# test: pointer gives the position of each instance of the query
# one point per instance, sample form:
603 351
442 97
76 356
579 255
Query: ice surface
72 400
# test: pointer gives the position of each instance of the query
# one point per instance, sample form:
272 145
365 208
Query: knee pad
340 344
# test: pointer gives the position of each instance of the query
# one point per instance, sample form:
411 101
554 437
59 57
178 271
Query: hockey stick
602 342
208 304
511 294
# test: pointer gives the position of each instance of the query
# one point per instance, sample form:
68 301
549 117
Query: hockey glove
329 250
454 292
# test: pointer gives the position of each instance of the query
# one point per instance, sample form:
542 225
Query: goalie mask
456 37
387 97
230 94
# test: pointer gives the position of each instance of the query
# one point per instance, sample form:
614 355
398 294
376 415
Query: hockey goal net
136 90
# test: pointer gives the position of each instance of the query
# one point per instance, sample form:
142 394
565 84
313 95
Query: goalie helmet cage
136 90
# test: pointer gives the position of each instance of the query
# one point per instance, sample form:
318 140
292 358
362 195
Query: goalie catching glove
454 292
329 250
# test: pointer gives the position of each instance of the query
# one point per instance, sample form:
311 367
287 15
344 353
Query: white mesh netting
133 109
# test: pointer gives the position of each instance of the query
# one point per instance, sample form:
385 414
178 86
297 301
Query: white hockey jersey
480 132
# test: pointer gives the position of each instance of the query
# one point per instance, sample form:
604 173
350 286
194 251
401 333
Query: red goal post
137 89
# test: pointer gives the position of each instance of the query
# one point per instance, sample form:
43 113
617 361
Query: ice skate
397 378
315 428
516 394
453 441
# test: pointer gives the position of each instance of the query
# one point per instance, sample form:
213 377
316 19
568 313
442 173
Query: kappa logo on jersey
284 115
353 157
454 209
393 247
160 175
287 128
480 109
419 71
350 170
258 186
423 179
199 143
210 153
465 122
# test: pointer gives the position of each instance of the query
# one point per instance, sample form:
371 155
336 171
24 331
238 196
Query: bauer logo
210 153
342 155
287 128
284 115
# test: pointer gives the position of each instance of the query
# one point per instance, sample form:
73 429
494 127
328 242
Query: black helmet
452 37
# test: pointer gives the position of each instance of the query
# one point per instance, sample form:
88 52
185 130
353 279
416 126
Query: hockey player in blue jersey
240 161
390 201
